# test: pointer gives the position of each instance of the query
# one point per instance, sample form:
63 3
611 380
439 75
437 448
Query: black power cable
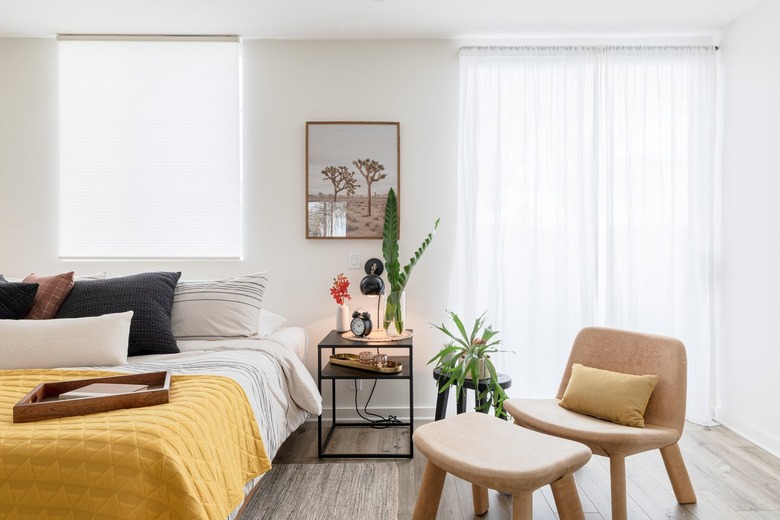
382 422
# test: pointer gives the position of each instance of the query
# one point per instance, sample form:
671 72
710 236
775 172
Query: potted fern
393 321
466 356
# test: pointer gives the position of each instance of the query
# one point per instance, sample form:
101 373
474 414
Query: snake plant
396 277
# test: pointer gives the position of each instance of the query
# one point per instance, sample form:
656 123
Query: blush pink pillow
52 291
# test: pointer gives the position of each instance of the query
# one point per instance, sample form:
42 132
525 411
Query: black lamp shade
372 285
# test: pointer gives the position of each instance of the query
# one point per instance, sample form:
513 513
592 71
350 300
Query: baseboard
349 414
757 436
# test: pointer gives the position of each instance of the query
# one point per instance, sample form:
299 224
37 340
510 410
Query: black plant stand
504 381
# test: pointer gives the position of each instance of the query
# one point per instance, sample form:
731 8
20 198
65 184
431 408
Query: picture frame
350 168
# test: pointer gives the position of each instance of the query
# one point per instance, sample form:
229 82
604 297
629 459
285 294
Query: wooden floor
733 479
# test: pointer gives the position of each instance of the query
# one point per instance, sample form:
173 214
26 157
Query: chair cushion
620 398
494 453
603 437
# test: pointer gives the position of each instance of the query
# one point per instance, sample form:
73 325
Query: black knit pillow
16 299
148 295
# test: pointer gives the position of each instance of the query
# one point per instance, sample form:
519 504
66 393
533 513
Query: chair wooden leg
430 492
567 499
617 477
480 497
678 474
522 507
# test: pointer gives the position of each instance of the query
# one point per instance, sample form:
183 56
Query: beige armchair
630 353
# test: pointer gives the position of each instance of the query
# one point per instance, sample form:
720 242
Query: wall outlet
356 384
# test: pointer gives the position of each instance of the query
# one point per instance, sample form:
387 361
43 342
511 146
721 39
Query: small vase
342 318
395 313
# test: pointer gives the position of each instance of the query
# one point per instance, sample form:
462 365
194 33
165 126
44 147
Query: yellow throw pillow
616 397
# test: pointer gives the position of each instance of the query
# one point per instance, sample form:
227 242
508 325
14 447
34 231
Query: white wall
28 155
749 356
286 83
414 82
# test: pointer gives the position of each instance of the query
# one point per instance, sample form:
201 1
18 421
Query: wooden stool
494 454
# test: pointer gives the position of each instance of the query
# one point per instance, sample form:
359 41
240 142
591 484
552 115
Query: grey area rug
360 491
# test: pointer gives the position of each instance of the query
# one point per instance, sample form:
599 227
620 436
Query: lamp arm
378 303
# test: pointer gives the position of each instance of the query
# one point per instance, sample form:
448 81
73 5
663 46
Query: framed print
350 168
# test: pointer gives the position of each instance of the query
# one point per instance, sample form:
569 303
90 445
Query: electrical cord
382 422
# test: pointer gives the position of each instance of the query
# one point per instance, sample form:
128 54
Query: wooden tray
43 401
353 361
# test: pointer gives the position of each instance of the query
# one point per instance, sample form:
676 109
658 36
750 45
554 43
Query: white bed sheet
295 339
278 386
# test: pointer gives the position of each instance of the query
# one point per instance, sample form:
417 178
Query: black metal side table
504 381
330 372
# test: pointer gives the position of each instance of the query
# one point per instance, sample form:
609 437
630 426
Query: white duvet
269 369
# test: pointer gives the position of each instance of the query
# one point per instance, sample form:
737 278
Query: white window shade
150 149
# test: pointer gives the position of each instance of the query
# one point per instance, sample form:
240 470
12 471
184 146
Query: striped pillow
218 308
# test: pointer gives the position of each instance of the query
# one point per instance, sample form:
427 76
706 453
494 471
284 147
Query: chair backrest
639 354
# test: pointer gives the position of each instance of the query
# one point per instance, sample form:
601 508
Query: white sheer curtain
585 198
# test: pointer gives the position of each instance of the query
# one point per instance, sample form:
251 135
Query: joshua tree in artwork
342 179
372 172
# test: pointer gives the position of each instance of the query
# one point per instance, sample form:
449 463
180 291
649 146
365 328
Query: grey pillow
148 295
16 299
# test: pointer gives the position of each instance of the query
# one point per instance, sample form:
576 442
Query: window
150 148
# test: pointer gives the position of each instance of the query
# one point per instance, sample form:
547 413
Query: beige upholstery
494 454
630 353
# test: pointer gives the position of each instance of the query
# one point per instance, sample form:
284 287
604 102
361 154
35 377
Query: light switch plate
354 260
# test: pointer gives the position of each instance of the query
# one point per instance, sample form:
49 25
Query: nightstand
330 372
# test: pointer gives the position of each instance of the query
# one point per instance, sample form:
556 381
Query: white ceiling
345 19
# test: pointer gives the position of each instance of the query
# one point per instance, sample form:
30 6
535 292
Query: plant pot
483 372
395 313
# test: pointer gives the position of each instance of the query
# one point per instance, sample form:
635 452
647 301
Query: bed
280 393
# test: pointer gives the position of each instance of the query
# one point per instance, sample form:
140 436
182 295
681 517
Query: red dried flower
340 289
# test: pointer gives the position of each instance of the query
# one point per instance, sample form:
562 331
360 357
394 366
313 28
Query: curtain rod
551 50
571 46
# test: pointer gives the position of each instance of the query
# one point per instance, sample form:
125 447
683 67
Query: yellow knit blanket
188 459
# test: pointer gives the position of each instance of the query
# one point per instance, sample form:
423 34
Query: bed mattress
269 369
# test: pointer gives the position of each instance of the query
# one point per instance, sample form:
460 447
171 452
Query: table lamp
372 284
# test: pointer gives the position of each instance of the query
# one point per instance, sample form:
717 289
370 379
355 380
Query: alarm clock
361 324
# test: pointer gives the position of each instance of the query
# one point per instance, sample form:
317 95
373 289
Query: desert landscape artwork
350 167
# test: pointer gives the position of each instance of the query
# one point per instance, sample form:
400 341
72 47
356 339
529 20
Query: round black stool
504 381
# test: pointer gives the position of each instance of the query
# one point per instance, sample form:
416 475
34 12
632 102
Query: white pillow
70 342
94 276
218 308
269 323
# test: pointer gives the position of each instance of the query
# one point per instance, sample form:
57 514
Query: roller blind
150 148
